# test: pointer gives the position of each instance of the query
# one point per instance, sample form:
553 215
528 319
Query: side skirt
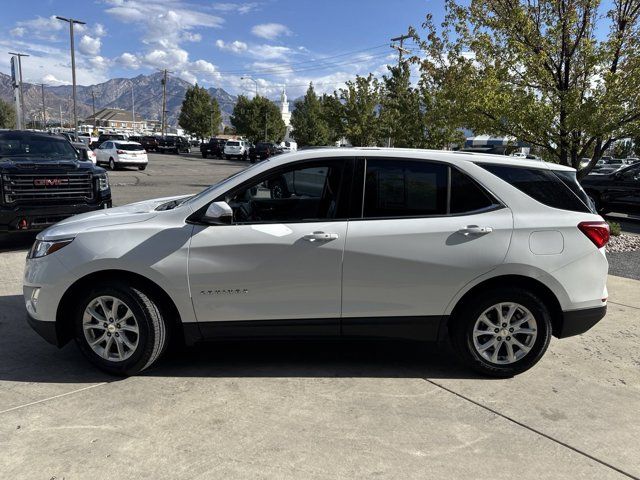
422 328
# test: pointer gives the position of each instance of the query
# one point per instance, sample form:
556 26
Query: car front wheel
112 164
120 329
502 332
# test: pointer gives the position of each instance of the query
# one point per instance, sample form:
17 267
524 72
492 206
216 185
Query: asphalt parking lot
321 410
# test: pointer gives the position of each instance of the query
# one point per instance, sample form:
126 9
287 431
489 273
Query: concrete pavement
320 410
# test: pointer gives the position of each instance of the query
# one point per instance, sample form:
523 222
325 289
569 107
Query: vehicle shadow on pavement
25 357
16 241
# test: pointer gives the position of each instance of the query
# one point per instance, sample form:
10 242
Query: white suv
236 149
493 253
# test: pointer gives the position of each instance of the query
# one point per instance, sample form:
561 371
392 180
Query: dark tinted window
467 195
571 181
129 146
302 193
543 185
401 188
17 144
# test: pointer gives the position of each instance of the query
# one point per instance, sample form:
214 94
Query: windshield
129 146
41 146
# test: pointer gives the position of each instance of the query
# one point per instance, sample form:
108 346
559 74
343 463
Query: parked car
632 160
617 191
149 142
106 136
43 180
213 148
119 154
85 152
236 149
173 144
288 146
262 150
496 255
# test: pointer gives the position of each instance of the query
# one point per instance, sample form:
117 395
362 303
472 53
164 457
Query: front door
281 258
427 229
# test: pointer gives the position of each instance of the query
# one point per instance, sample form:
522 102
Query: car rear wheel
112 164
204 155
120 329
142 167
502 332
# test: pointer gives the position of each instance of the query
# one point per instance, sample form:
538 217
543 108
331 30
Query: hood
132 213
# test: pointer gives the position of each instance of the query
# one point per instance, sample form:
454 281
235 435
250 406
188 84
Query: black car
106 136
148 142
43 180
262 151
617 191
174 144
213 148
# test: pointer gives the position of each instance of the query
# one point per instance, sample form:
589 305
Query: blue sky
214 43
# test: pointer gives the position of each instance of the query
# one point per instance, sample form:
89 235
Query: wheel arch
64 319
512 280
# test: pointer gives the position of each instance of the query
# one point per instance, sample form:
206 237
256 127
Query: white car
121 153
236 149
496 256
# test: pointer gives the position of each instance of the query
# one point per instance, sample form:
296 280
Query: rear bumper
575 322
41 217
46 330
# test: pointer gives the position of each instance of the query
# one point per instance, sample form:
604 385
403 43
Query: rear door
426 230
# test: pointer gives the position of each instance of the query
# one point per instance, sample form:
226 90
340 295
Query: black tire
112 164
204 155
597 203
142 167
152 337
462 326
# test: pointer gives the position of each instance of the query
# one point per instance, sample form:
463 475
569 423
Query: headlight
103 182
46 247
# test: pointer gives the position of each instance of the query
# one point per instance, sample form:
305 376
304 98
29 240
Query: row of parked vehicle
243 149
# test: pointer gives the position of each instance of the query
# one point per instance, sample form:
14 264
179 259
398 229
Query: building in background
286 114
114 119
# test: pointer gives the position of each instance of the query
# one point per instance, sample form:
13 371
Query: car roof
422 154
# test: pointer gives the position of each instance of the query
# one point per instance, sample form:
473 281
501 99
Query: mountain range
114 93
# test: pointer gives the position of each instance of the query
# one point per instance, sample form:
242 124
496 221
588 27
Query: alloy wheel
504 333
110 328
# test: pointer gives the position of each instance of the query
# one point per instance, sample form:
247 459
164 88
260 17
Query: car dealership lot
313 410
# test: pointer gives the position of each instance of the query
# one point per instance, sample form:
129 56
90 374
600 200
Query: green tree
7 115
200 115
333 115
309 125
539 72
360 100
402 122
258 119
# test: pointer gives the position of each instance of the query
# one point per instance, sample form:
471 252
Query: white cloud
271 52
43 28
128 60
270 31
240 8
50 79
235 46
18 31
89 45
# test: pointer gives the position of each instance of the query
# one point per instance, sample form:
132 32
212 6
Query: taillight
120 152
597 232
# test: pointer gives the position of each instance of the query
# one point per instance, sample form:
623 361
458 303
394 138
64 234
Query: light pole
253 80
20 55
71 22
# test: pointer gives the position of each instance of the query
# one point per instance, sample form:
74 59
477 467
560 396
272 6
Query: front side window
303 193
404 188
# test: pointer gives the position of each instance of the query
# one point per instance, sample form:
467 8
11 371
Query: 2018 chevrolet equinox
496 254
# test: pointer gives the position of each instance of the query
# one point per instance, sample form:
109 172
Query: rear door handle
320 237
475 230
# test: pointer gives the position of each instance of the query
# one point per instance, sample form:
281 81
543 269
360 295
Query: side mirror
218 213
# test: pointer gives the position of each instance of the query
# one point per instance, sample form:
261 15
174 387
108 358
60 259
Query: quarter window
397 188
467 195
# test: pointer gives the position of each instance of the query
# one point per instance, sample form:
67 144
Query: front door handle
475 230
320 237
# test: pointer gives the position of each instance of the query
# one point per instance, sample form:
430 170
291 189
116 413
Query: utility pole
71 22
93 101
44 110
20 55
399 48
133 111
60 105
164 103
266 113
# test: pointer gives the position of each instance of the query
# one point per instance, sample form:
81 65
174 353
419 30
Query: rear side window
545 186
395 188
467 196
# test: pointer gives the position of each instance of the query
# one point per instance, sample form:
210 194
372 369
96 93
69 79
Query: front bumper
40 217
575 322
